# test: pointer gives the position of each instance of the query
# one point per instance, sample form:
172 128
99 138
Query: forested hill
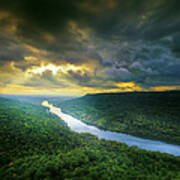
153 115
34 144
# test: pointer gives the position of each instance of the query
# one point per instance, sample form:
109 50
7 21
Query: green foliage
153 115
34 144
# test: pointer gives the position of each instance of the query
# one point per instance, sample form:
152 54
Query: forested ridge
153 115
34 144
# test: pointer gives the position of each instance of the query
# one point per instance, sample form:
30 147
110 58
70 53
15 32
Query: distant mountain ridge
135 92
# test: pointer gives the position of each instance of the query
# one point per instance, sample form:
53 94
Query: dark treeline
35 144
153 115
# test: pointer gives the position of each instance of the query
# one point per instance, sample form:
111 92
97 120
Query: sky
75 47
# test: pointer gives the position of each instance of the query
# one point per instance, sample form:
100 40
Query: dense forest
153 115
34 144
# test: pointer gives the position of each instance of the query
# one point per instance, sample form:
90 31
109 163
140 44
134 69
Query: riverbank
146 115
78 126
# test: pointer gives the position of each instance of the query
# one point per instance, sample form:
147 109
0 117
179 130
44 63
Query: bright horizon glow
12 89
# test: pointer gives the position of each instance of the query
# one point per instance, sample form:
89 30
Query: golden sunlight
129 86
62 68
164 88
40 70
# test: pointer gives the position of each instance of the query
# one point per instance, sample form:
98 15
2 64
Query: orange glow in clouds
164 88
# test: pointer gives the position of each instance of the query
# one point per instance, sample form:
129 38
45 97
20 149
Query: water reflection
80 127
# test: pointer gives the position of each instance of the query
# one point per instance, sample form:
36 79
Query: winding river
80 127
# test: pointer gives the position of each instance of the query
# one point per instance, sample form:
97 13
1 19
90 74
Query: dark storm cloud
129 19
176 45
82 79
42 13
47 79
132 40
11 51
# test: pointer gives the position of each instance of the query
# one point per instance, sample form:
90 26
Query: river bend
81 127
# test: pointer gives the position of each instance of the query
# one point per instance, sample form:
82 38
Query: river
81 127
